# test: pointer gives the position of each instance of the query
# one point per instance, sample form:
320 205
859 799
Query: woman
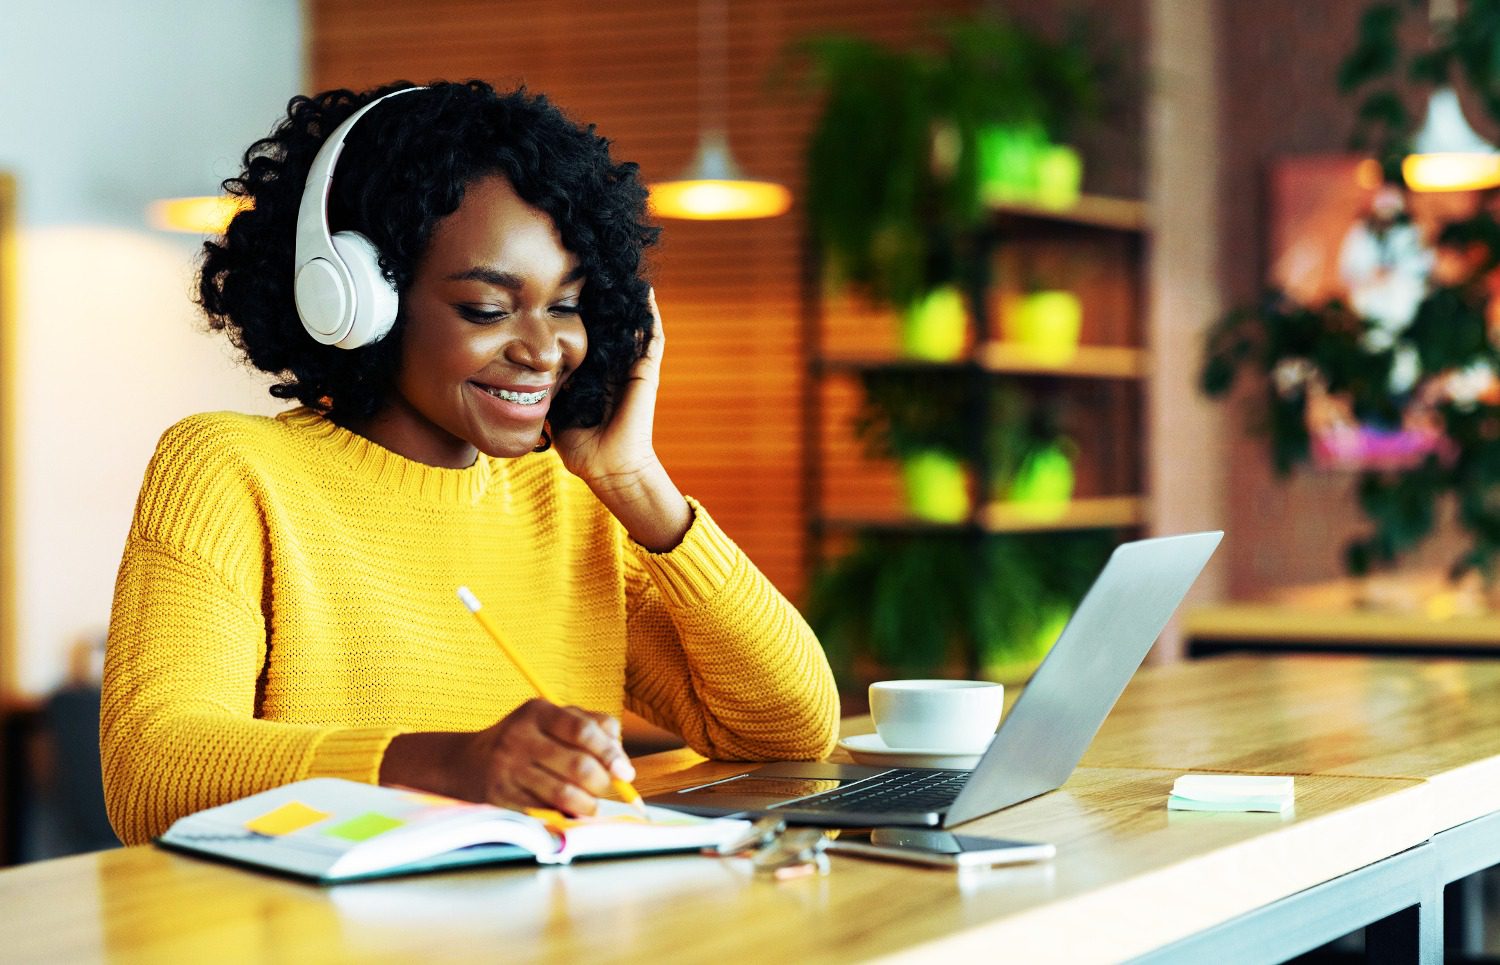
285 606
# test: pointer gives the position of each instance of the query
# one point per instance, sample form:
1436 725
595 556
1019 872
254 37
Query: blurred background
927 390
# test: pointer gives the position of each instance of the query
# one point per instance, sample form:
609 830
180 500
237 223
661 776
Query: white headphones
342 297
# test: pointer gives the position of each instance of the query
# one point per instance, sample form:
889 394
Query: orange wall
729 416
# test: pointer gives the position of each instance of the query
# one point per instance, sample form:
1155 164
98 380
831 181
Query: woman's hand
618 459
541 755
619 450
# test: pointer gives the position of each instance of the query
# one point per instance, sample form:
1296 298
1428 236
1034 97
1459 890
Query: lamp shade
714 188
1447 155
208 215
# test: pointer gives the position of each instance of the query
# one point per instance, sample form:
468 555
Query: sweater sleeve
717 654
187 644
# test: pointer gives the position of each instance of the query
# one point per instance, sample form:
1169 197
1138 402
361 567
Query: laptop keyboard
894 791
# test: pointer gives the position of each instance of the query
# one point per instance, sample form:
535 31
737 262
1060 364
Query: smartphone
941 848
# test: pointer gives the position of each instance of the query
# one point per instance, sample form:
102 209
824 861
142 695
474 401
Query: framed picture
1338 232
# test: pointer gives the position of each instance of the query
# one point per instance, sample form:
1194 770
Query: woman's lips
515 402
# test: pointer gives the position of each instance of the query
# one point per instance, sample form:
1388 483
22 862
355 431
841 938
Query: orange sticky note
434 800
291 816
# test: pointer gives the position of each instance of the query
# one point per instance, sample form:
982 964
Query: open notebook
331 830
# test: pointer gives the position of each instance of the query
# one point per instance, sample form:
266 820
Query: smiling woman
492 333
285 606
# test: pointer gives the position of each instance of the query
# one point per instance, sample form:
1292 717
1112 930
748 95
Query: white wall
105 106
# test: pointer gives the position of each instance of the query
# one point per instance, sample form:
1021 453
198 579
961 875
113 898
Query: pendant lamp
1447 155
713 187
207 215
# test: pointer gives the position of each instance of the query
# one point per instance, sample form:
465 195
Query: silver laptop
1037 746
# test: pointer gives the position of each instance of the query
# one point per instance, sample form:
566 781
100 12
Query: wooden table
1130 878
1336 627
1433 720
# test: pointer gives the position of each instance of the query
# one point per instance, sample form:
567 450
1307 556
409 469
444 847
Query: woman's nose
537 343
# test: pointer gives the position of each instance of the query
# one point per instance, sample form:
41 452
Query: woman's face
492 333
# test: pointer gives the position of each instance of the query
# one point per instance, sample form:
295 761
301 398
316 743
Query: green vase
1043 486
936 326
937 487
1008 161
1059 176
1018 164
1047 324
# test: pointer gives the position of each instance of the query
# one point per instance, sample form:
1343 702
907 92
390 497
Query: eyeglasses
781 852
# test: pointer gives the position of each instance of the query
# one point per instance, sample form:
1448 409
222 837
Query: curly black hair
404 168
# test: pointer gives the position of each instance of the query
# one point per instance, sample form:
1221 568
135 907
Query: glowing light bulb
200 216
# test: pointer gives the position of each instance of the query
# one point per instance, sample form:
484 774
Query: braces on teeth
524 398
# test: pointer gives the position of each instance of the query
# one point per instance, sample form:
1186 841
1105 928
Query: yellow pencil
622 787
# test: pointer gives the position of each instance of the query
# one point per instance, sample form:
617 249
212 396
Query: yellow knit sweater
285 606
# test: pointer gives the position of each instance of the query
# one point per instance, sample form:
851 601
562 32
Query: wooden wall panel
728 419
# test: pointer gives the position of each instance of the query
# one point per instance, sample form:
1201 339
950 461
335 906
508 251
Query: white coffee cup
936 714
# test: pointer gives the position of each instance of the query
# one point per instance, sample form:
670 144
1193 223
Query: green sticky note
291 816
364 827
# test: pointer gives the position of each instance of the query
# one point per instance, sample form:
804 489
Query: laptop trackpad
764 787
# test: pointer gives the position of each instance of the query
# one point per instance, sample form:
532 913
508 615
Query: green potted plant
951 602
1439 372
924 426
898 161
1030 458
898 167
957 601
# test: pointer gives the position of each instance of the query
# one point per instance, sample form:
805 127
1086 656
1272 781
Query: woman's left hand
618 459
619 451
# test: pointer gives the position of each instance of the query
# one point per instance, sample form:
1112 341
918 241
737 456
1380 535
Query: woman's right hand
540 755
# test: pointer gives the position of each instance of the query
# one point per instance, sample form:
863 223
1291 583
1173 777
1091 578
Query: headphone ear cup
375 299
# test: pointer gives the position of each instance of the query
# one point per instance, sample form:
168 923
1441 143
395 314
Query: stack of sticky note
1231 792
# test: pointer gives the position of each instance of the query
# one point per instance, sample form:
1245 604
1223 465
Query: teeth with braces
523 398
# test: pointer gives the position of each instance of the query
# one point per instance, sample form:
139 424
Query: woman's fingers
597 735
658 336
556 757
557 792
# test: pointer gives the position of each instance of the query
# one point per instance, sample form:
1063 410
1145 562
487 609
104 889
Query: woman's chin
510 444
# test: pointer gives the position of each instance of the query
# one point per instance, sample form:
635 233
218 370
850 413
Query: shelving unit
997 516
1096 249
1090 361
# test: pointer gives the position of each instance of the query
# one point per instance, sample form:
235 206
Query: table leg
1463 916
1412 934
1398 900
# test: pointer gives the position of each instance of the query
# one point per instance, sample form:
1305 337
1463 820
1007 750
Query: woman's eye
482 316
564 310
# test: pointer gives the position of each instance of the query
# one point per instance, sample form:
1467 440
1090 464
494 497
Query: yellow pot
1046 324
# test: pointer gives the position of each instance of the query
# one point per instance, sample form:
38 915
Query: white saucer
870 749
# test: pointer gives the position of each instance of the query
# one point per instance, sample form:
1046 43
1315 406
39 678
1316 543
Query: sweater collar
383 467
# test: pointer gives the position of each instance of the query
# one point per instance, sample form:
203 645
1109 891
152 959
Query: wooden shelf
862 361
1002 517
1102 513
1091 210
895 520
1089 361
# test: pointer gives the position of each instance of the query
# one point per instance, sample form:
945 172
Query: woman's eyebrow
507 279
490 276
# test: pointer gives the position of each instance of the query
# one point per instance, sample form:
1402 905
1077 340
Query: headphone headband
341 295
